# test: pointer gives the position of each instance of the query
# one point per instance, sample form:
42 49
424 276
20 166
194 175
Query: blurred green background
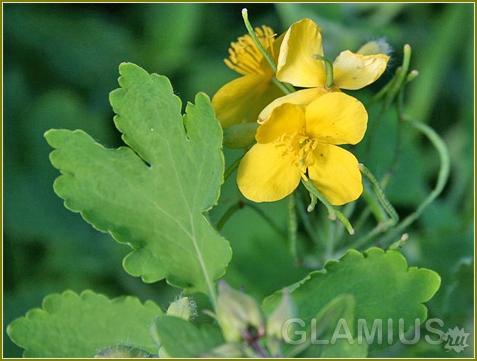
61 61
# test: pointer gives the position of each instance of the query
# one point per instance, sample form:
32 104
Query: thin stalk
257 41
292 226
442 177
228 213
381 196
267 219
284 87
304 214
241 204
348 211
333 213
401 77
328 69
228 172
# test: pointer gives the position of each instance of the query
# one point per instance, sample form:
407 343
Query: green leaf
382 285
153 194
79 326
180 338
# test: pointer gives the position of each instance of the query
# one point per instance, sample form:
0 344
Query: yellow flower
297 65
242 99
299 142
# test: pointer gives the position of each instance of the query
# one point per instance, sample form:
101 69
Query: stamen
300 147
244 55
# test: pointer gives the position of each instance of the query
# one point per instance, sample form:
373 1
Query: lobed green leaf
71 325
151 194
382 284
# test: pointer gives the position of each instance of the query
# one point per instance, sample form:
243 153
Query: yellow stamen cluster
245 57
301 147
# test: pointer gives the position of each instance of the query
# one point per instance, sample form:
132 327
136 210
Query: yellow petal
296 64
355 71
335 174
242 99
300 97
285 119
336 118
265 174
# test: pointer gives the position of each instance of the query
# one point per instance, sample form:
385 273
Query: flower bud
379 46
240 136
284 312
238 315
183 308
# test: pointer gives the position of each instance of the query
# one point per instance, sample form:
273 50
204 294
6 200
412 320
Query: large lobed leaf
383 286
153 194
71 325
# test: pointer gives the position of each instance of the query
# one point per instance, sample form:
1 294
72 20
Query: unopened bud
284 312
240 136
238 314
183 308
379 46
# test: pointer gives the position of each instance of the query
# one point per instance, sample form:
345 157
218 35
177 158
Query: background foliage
61 61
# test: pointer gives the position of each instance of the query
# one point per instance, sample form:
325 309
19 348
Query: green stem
381 196
241 204
328 68
232 209
348 211
384 90
257 41
304 213
292 226
332 212
284 87
442 178
373 204
232 168
380 208
390 90
267 219
401 76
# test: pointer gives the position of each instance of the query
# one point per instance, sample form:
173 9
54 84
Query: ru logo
456 339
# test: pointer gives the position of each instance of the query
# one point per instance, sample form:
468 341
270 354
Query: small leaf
153 194
381 283
79 326
180 338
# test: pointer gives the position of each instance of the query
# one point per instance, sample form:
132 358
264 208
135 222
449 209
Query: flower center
245 57
301 147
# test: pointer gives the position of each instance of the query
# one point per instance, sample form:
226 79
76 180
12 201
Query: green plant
157 194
